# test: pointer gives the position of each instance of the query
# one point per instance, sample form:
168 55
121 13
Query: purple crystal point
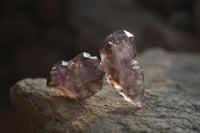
77 79
122 71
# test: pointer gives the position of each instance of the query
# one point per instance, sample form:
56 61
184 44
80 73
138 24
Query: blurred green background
34 34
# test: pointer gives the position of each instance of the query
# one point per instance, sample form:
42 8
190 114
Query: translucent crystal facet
121 68
77 79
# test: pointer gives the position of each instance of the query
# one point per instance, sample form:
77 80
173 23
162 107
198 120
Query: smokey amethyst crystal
77 79
122 70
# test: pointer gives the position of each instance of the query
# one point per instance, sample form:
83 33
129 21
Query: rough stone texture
172 102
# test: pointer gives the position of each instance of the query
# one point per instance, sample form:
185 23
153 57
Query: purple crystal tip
122 70
77 79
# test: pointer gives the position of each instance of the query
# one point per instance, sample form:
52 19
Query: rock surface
172 102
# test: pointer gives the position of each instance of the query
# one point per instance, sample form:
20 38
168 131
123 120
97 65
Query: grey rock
171 104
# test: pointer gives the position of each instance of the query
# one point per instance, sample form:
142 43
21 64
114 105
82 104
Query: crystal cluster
77 79
82 76
122 70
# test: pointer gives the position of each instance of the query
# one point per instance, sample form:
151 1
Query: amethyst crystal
122 70
77 79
